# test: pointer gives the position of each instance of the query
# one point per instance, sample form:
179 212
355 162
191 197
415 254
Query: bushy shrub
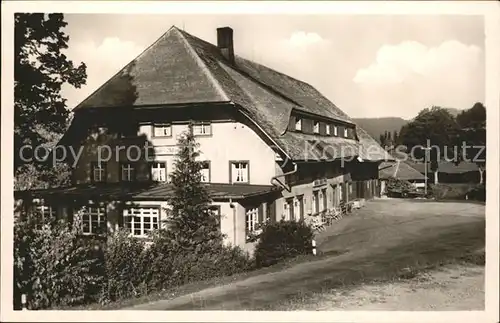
284 239
455 191
126 263
53 267
477 193
170 265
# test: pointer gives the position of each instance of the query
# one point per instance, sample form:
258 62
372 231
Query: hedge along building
273 147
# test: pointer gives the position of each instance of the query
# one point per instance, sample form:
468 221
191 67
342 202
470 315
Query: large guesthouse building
272 146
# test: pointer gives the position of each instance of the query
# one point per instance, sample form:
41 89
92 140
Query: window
141 221
321 199
299 207
239 172
202 129
127 172
316 126
98 172
252 219
324 199
315 202
162 130
205 171
328 129
335 131
335 195
46 211
93 220
216 212
346 132
289 210
298 124
159 171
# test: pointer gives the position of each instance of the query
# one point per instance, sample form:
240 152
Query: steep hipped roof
399 170
180 68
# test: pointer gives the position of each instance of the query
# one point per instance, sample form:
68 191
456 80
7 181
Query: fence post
314 247
23 302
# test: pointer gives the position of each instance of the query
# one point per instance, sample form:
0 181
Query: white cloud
408 77
301 38
103 60
398 63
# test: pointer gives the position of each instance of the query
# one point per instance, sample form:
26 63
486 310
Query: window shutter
340 131
322 128
261 213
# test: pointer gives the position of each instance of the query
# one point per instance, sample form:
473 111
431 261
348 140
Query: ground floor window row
93 220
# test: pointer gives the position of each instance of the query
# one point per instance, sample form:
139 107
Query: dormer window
335 131
298 124
316 127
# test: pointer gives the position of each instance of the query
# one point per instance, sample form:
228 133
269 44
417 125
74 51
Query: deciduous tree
41 68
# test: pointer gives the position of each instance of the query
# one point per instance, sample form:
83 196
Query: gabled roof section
167 72
180 68
400 170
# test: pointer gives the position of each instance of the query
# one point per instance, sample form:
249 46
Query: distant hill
454 112
377 126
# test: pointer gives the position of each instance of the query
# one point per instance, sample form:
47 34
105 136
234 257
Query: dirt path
373 244
456 288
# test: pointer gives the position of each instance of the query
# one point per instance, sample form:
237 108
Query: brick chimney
225 43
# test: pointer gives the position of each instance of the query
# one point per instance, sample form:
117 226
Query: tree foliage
41 69
436 127
473 133
192 223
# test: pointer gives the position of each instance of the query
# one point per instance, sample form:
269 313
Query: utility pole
426 149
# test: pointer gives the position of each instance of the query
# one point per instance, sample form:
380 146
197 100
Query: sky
369 66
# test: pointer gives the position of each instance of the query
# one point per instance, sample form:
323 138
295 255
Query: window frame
151 167
134 168
299 123
315 202
102 219
143 234
328 130
251 220
316 126
335 130
203 124
346 132
206 162
161 125
231 162
102 165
